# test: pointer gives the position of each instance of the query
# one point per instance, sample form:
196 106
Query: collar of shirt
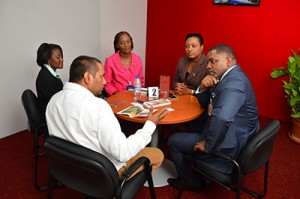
198 91
232 67
54 73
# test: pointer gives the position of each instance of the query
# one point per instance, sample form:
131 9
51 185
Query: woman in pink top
122 67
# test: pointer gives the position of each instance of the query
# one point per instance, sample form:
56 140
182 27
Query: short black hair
44 53
224 48
82 64
117 37
197 35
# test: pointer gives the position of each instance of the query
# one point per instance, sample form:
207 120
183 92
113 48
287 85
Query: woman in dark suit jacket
48 82
191 69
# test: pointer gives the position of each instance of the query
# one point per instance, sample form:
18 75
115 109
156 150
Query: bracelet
192 92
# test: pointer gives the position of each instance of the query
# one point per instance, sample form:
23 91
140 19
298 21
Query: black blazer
46 86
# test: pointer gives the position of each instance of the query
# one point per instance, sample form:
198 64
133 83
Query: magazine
135 111
157 103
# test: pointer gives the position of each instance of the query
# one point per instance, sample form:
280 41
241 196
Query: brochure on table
137 110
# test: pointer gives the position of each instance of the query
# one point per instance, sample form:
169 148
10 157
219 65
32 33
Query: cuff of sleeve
149 126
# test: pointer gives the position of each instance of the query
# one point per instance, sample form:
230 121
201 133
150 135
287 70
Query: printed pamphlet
135 111
157 103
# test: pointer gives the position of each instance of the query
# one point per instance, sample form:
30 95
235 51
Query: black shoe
174 183
177 184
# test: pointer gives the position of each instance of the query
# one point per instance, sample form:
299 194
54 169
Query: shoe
174 183
177 184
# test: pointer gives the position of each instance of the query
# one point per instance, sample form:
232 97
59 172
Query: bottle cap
137 76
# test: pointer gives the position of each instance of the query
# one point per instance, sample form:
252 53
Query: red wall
262 37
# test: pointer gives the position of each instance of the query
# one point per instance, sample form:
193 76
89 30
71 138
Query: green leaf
290 86
296 115
295 99
278 73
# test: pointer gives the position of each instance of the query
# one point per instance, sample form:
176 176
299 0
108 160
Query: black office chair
254 155
38 127
91 173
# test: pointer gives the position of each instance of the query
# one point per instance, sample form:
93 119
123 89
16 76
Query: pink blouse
117 76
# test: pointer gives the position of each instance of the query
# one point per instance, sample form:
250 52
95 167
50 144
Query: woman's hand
182 89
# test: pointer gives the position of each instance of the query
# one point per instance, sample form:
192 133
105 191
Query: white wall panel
78 26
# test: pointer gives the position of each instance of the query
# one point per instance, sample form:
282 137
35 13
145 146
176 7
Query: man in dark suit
232 117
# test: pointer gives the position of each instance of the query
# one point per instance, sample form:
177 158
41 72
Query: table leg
167 168
154 141
165 171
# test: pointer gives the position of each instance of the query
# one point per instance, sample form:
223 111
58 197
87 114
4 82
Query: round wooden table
186 108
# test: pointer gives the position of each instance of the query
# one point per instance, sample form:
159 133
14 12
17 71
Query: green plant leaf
292 86
296 115
289 86
278 73
295 100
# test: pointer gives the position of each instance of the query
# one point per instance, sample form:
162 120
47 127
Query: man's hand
207 82
200 146
157 116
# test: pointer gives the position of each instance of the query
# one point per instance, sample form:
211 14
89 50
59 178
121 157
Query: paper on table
135 111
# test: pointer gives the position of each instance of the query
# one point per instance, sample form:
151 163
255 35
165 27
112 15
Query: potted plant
292 91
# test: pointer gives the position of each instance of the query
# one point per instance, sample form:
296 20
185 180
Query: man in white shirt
77 115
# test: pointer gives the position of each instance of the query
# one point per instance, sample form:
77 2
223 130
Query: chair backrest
259 148
33 110
81 169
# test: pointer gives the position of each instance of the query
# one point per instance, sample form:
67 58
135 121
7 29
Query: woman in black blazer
48 82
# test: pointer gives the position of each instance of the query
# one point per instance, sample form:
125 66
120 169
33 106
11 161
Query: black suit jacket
46 86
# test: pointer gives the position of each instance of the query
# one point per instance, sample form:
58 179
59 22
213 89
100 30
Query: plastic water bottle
137 88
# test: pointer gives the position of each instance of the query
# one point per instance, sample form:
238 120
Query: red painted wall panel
262 37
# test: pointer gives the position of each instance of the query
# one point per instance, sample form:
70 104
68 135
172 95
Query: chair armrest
42 130
222 155
227 157
130 170
216 153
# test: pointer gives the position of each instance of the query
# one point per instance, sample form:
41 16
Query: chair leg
38 187
185 181
148 169
265 180
35 142
238 190
190 169
50 186
36 156
255 194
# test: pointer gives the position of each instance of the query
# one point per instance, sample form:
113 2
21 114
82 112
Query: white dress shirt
75 114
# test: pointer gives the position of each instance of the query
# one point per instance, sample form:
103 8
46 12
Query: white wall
78 26
118 15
